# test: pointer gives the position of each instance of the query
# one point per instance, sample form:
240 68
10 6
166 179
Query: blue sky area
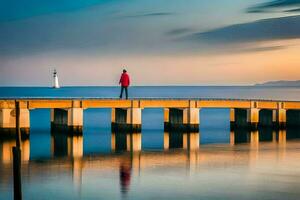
38 35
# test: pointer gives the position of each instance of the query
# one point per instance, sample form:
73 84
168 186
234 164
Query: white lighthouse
55 79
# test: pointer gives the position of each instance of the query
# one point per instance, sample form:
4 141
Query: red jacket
124 80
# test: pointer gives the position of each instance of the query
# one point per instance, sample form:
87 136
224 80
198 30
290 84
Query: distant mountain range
281 83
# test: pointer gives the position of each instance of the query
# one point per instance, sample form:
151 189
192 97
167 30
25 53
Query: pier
179 114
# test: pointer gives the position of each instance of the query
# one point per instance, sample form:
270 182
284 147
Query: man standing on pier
124 81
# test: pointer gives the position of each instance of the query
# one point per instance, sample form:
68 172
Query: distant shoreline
281 83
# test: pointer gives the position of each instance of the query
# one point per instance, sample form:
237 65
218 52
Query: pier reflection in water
184 140
66 145
69 146
135 167
130 165
280 137
6 145
122 141
172 140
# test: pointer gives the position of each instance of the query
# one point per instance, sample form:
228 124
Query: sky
159 42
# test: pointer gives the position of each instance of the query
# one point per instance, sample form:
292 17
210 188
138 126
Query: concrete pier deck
179 113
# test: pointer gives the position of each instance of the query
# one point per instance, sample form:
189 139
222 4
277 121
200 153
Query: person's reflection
132 142
125 176
6 145
121 141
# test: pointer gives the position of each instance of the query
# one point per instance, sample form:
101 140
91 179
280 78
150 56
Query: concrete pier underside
254 118
8 122
181 119
128 119
67 120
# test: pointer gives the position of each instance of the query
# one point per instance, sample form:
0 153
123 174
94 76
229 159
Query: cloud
261 30
275 4
153 14
293 10
179 31
261 49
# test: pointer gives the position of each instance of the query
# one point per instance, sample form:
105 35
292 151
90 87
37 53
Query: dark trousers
126 92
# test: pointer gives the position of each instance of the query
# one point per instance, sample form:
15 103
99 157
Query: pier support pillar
281 118
244 118
253 118
191 118
274 118
232 117
70 120
8 121
186 119
128 119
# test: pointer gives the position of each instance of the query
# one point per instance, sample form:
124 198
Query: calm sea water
212 164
